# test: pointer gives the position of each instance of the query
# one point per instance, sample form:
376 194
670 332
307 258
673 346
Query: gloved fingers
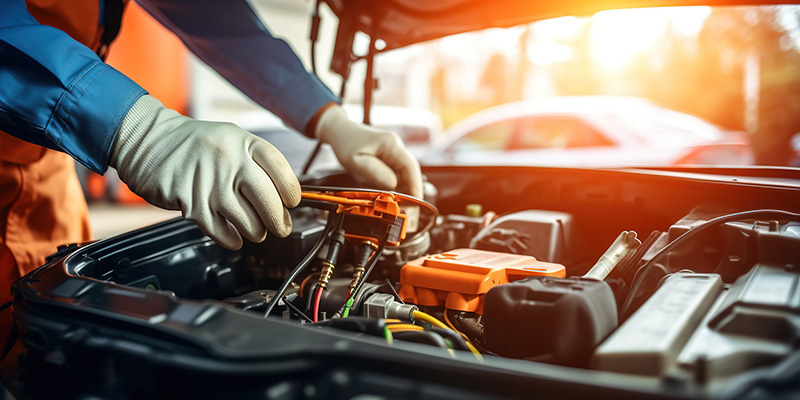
373 170
405 166
244 218
219 229
280 172
266 202
198 204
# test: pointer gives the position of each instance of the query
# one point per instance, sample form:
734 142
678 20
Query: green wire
388 334
347 308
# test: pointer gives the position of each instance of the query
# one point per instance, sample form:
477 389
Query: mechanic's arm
56 93
229 37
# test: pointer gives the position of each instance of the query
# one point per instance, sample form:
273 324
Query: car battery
563 318
459 279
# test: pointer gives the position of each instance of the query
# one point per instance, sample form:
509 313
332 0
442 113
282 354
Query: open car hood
403 22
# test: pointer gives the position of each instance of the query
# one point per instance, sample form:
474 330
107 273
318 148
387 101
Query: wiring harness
371 221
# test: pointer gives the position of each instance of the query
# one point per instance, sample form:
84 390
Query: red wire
316 303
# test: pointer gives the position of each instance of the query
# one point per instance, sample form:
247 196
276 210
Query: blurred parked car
587 131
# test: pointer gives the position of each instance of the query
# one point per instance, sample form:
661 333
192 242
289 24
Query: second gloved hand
228 181
376 156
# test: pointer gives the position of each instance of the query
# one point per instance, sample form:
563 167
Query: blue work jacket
57 93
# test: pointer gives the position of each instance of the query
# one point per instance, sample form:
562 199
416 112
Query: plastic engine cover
538 233
535 316
458 279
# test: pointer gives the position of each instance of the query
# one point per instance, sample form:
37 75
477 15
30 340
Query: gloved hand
228 181
377 156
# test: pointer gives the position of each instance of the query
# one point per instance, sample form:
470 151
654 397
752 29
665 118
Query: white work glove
378 157
230 182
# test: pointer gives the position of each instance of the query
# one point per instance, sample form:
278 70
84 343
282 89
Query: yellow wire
405 327
475 351
433 321
428 318
404 330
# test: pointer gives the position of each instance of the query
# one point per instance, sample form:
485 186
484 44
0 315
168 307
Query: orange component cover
458 279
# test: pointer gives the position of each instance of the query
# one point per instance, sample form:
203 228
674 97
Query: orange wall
152 56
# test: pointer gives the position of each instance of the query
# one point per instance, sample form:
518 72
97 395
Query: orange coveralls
41 202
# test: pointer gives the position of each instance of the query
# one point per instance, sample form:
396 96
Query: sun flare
617 36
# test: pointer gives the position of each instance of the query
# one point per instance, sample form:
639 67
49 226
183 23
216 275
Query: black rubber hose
775 214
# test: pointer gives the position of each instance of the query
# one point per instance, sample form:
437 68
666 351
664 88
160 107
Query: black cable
342 89
424 337
774 214
357 288
333 223
315 21
368 84
372 263
312 157
296 310
458 342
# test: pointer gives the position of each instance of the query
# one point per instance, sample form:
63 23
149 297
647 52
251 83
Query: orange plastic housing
384 206
379 205
458 279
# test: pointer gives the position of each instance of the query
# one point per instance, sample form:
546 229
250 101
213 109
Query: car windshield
624 88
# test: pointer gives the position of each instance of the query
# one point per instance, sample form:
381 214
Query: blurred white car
587 131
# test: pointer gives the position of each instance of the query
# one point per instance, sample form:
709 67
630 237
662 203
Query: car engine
707 305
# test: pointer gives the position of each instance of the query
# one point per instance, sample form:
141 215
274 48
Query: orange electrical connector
364 208
384 207
458 279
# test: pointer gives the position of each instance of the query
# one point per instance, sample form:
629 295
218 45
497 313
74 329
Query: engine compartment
538 274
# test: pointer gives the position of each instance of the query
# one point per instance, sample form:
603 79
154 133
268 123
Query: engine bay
607 285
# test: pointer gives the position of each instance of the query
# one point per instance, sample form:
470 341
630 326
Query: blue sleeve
55 92
228 36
